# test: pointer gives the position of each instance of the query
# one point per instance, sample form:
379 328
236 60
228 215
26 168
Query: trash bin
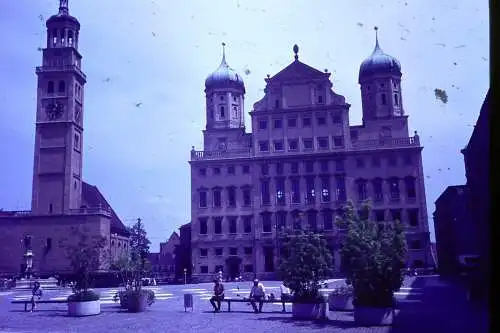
188 302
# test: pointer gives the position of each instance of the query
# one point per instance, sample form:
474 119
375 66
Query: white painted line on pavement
194 289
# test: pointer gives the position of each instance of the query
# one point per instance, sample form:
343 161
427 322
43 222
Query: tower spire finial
296 51
63 7
376 37
223 52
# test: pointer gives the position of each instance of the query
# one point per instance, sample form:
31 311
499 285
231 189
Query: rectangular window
325 189
294 167
203 252
278 123
324 166
337 119
203 199
265 194
311 194
246 197
264 169
247 224
233 251
327 219
232 225
219 251
376 161
293 145
308 144
263 146
262 124
392 160
408 159
309 166
266 222
340 190
295 191
246 169
27 242
323 143
312 220
231 197
394 188
281 220
321 121
278 145
339 165
204 269
379 215
247 251
361 189
411 192
203 226
413 217
360 163
203 171
279 168
217 198
216 171
218 225
292 122
306 122
396 214
377 190
268 259
338 141
280 191
230 170
248 268
48 243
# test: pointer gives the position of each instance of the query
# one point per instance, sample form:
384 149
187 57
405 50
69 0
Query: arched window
62 87
54 36
50 87
70 38
396 99
384 99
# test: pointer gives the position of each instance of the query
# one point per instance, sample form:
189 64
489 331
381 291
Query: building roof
451 190
92 197
62 17
481 133
224 76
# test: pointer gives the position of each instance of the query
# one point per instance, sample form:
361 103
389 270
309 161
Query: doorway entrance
233 267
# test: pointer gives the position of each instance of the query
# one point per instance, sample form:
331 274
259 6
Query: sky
146 63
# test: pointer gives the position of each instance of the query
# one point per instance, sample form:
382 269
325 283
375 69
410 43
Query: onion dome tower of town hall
380 80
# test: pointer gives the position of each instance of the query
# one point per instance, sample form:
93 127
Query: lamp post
185 276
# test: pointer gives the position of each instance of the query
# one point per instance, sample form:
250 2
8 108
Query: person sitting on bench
36 295
218 295
257 294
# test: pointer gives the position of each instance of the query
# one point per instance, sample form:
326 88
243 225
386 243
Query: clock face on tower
54 111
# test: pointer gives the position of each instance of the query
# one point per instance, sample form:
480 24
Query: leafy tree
373 255
139 250
306 262
86 254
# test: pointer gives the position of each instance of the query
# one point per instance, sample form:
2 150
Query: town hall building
61 200
299 166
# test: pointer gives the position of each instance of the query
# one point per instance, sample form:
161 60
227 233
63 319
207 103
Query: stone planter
340 303
137 302
309 311
80 309
369 316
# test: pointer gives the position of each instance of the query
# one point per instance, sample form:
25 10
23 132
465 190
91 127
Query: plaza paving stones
425 306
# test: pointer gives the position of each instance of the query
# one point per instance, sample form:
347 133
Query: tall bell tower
57 170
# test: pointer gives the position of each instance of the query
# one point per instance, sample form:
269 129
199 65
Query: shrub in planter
341 299
84 296
124 296
374 255
306 261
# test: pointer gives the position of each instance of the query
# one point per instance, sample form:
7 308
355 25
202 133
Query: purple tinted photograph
247 166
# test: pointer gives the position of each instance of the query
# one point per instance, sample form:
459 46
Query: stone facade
301 163
61 200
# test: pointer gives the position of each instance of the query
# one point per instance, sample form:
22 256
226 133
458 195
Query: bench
28 301
241 300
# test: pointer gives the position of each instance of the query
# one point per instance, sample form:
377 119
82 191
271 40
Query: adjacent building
454 229
183 265
61 200
301 163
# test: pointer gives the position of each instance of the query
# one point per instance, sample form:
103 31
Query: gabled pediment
298 71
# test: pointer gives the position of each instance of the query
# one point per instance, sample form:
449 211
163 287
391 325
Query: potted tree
305 262
85 256
373 256
340 299
135 297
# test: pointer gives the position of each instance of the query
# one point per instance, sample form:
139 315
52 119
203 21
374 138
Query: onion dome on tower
378 63
224 76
